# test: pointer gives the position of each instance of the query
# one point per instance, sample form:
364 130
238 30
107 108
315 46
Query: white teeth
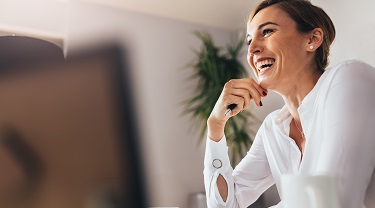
261 65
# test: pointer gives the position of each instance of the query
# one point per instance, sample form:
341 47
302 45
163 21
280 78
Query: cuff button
217 163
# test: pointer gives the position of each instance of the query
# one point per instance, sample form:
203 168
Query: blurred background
159 37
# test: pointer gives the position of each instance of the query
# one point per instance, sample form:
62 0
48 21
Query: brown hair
307 17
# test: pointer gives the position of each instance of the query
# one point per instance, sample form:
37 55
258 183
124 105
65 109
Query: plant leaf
212 68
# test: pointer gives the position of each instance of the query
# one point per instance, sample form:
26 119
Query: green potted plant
213 67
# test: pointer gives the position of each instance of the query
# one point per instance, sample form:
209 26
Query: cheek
248 58
290 47
250 62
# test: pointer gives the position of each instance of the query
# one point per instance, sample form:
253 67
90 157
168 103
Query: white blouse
338 119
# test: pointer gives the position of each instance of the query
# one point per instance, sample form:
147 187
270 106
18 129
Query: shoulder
267 125
350 71
354 65
273 117
270 124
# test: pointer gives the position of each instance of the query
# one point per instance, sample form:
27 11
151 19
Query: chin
264 83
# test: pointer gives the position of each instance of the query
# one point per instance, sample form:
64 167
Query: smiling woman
317 130
279 39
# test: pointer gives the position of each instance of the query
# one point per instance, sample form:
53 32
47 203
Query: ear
315 39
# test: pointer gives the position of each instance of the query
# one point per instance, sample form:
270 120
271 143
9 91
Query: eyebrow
261 26
267 23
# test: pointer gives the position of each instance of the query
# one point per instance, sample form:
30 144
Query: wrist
215 129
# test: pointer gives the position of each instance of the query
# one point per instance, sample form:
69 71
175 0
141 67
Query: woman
327 125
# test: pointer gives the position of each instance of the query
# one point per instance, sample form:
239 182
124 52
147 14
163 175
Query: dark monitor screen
68 134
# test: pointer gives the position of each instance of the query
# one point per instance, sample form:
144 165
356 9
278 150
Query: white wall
48 16
355 29
45 19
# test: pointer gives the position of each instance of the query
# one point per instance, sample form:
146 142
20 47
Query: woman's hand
236 91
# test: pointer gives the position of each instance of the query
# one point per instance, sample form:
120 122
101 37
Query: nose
254 47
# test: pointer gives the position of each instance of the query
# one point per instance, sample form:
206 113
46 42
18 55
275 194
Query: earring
311 47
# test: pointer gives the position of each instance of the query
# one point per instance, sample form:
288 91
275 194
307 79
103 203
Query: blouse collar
305 110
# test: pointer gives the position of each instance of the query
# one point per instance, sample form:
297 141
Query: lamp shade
16 50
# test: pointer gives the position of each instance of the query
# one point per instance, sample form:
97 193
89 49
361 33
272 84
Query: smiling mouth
264 64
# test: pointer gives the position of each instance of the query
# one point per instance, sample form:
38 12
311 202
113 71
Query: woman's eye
248 40
266 32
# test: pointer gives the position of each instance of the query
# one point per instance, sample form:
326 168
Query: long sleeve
349 132
246 183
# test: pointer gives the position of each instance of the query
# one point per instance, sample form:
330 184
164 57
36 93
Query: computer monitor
68 134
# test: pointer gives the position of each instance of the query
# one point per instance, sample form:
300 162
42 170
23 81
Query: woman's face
277 52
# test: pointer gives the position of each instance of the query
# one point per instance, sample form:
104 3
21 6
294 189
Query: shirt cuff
216 157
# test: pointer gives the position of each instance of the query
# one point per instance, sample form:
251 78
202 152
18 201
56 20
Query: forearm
215 129
215 133
218 177
222 186
227 188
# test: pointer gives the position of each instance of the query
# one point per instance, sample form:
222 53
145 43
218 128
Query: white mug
318 191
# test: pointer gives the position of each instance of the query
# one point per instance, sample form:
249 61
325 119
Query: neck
294 94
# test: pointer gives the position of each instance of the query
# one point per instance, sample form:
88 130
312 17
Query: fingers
238 93
241 97
249 83
245 89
